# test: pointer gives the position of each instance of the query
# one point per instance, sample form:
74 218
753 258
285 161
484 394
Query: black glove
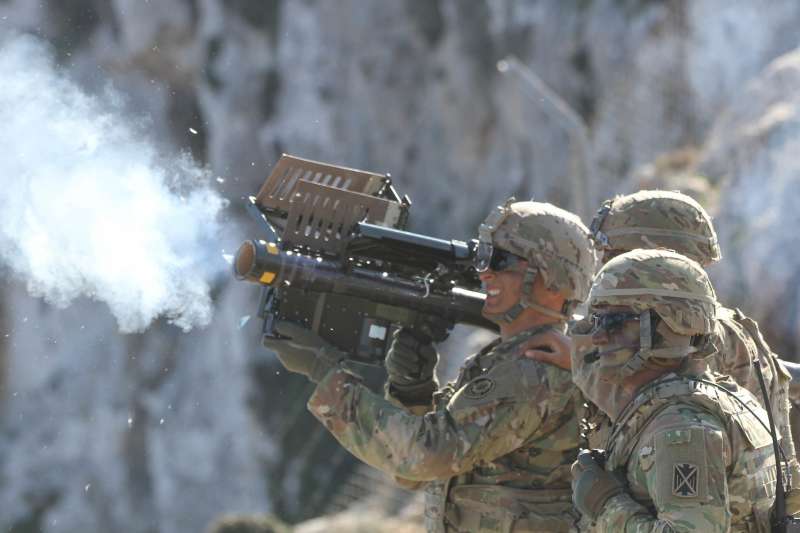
303 351
411 360
592 485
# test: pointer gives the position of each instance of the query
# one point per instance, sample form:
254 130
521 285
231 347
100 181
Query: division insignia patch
684 480
479 388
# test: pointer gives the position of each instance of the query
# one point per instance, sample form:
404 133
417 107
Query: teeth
493 292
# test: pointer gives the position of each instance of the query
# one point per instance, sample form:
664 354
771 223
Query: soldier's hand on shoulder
302 351
551 347
592 485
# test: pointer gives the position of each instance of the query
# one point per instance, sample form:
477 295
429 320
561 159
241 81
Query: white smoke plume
88 208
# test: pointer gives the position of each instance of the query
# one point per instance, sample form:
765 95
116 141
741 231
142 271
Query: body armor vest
751 473
527 490
743 338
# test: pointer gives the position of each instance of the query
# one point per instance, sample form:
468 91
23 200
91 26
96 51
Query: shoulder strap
752 328
646 395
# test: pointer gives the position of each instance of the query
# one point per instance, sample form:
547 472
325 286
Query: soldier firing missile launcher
342 264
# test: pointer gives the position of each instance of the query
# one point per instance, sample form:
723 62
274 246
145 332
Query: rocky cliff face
161 431
752 152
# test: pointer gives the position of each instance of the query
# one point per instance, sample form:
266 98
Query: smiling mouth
492 292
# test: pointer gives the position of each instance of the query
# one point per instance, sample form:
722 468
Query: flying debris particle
244 320
220 179
228 258
87 487
161 422
130 421
193 131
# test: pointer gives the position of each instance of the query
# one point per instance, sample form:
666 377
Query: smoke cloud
88 208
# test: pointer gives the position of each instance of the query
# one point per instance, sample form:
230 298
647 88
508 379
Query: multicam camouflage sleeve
679 464
488 417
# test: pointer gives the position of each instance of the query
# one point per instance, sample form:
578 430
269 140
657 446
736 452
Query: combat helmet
672 287
656 219
554 242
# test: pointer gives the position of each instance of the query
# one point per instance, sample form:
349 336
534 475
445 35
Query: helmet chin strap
646 351
526 302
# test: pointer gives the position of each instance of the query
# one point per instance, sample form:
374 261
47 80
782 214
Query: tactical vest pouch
497 509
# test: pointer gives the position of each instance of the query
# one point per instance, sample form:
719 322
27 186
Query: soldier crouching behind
686 451
492 449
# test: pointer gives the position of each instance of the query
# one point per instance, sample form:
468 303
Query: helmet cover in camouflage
552 240
672 285
657 219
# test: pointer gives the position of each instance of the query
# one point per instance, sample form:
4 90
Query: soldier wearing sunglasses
686 451
671 220
492 449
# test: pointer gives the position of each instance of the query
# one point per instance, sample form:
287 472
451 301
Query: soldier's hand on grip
592 485
412 359
302 351
429 328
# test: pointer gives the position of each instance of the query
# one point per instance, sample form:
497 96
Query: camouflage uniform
695 455
694 458
494 450
671 220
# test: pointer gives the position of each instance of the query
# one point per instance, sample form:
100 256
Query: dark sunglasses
499 260
611 322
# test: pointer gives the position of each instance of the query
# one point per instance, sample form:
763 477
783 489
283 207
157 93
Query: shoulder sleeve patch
506 382
479 387
681 465
675 437
684 480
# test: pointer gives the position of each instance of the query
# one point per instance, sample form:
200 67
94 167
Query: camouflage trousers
498 509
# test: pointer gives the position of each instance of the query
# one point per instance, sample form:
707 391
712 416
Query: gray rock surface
407 87
752 152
